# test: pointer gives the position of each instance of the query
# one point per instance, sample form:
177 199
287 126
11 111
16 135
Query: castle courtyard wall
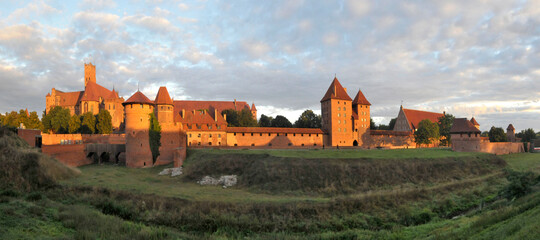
29 135
388 139
274 137
72 155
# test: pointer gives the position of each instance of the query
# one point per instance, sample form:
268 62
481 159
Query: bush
34 196
520 184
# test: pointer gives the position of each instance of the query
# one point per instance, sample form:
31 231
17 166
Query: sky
467 58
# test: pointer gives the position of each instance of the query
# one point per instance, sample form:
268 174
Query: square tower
89 73
336 109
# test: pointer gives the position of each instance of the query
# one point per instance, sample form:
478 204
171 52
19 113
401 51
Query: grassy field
282 194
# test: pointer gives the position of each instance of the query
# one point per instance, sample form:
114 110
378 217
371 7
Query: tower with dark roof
361 115
164 106
336 111
137 111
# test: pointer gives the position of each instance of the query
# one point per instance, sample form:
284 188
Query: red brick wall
71 155
463 143
272 140
54 139
29 135
388 140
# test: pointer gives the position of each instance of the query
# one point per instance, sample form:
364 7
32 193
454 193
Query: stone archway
355 143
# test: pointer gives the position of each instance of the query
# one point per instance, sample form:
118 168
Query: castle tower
336 109
254 111
137 111
89 73
475 123
164 106
361 116
511 133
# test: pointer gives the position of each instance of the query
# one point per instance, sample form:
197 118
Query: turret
336 109
254 111
511 133
137 111
89 73
164 106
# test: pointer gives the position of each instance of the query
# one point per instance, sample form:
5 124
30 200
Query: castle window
252 134
339 108
243 134
199 143
277 134
261 135
339 129
189 143
209 143
219 143
290 144
294 134
253 144
269 134
310 134
210 135
285 134
339 115
345 121
314 144
302 144
270 144
209 126
345 115
235 144
338 121
219 135
344 109
199 135
161 107
345 130
190 135
302 135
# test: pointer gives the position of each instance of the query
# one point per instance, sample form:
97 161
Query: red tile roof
355 116
69 98
208 105
416 116
462 125
474 121
112 95
163 97
274 130
253 107
199 117
94 91
138 97
360 99
336 91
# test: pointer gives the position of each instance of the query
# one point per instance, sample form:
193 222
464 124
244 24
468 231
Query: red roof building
408 119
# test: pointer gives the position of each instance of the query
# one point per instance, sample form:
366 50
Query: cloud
151 23
32 10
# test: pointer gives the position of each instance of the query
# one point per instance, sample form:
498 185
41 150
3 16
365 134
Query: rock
226 181
171 171
165 171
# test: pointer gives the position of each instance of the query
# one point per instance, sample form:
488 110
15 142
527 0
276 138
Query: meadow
281 194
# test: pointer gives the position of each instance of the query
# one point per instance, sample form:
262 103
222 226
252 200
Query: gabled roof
416 116
163 97
94 91
253 107
510 127
474 121
112 95
336 91
138 97
208 105
360 99
69 98
462 125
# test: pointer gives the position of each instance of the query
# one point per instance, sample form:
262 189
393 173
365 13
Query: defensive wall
29 135
472 143
389 139
274 137
71 155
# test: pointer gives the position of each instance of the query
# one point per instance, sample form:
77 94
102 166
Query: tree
445 124
75 124
57 120
232 117
104 122
1 119
372 125
246 119
12 119
392 124
281 121
497 135
484 134
33 121
427 132
88 124
265 121
154 137
527 135
308 119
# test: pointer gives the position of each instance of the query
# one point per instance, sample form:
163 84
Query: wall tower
336 109
89 73
137 111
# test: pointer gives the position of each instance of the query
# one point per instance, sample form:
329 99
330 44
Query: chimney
235 104
183 113
215 114
225 117
193 111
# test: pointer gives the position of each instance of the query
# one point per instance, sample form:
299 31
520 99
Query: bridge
104 151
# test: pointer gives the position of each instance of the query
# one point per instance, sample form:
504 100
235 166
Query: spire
253 107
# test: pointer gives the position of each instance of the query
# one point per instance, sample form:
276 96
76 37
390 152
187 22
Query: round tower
137 110
164 106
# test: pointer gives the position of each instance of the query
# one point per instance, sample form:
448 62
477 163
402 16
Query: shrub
520 184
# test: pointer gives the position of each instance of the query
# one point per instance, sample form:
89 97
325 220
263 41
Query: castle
201 124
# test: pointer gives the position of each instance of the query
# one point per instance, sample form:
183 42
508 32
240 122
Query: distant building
408 119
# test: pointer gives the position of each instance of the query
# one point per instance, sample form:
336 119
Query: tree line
60 121
244 118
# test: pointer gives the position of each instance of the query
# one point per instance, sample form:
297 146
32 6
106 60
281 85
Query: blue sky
468 58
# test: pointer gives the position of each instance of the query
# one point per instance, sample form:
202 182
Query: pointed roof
94 91
26 111
336 91
510 127
416 116
474 122
138 97
462 125
253 107
360 99
163 97
112 95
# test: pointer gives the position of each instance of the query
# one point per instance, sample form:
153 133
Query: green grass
148 181
420 153
524 162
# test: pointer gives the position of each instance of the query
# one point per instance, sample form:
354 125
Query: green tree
104 122
154 137
33 121
445 124
392 124
1 119
427 132
57 120
308 119
246 119
372 125
232 117
527 135
75 124
484 134
22 118
12 119
88 124
281 121
265 121
497 135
